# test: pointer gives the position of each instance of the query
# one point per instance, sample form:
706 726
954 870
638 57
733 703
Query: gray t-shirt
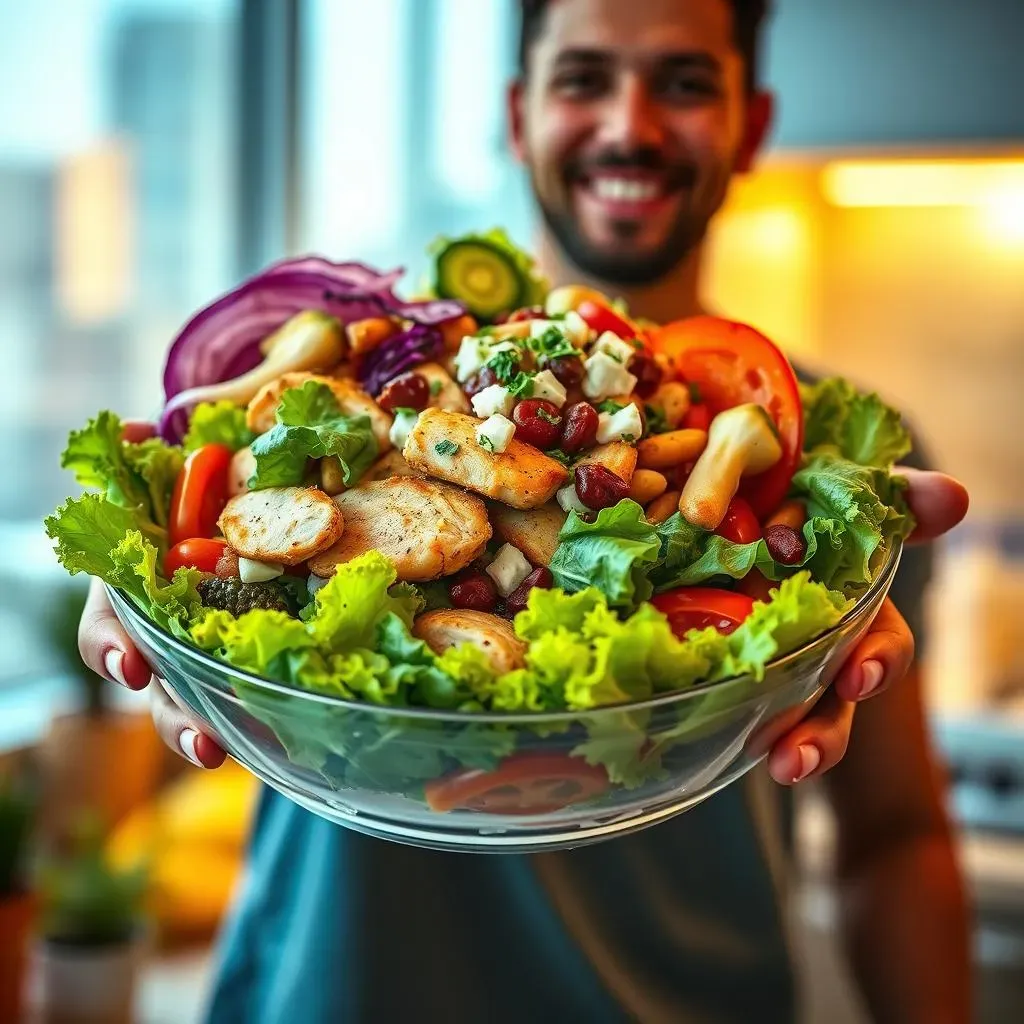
683 923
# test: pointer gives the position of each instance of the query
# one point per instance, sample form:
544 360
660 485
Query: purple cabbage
399 354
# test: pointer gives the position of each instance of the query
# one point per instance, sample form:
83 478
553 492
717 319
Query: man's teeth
625 189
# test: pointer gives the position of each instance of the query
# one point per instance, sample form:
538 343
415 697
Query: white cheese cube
509 568
402 426
538 328
621 351
624 425
315 583
252 571
604 377
493 401
472 354
495 433
576 329
547 386
570 500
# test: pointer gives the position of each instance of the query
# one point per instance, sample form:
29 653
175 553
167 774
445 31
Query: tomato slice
196 553
600 318
740 525
200 493
732 364
526 783
756 586
698 417
699 607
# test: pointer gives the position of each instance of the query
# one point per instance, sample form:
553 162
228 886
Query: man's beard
625 267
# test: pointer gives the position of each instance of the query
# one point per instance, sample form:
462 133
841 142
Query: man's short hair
749 18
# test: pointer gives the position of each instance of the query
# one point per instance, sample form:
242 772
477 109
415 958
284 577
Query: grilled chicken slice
443 444
452 627
281 524
243 465
534 531
428 529
449 395
262 410
392 464
617 456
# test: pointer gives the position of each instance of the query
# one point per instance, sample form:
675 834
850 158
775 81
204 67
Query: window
117 178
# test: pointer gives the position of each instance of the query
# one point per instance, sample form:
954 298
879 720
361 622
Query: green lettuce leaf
311 425
858 426
217 423
614 553
87 529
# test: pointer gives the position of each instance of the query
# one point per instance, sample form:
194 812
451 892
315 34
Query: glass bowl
501 782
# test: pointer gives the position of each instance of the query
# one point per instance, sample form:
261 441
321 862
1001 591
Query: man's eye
686 88
580 82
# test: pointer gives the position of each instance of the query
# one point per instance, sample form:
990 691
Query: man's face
632 119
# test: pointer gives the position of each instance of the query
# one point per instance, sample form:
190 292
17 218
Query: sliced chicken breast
389 465
428 529
443 444
452 627
534 531
617 456
281 524
243 465
448 393
353 401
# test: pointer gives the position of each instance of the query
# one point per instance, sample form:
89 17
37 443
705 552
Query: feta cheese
547 386
624 425
509 568
621 351
492 401
570 500
401 427
474 352
538 328
604 377
576 329
315 583
252 571
495 433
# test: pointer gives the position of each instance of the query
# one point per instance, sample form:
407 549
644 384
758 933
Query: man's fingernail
187 741
810 758
871 675
113 662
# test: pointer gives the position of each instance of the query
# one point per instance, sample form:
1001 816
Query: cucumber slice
481 276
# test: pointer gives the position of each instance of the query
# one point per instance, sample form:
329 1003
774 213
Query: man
631 119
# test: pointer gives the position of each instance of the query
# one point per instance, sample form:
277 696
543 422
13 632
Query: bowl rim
882 581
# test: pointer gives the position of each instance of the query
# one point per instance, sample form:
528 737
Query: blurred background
152 152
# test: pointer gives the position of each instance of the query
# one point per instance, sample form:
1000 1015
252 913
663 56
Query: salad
501 497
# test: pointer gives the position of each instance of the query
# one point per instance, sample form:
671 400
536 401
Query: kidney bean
598 487
480 380
647 372
474 590
568 370
538 422
785 545
408 391
579 428
519 597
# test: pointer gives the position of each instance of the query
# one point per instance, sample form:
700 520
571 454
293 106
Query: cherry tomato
733 364
699 607
756 586
200 493
526 783
740 525
200 553
698 417
600 318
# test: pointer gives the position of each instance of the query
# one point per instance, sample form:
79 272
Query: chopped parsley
656 422
563 457
610 407
520 386
543 414
552 344
485 442
694 388
446 447
629 438
435 388
505 365
405 410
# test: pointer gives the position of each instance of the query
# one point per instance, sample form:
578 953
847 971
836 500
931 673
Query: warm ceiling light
921 182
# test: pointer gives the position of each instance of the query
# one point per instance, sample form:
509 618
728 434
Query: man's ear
760 117
514 99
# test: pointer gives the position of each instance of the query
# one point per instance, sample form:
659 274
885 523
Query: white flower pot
88 984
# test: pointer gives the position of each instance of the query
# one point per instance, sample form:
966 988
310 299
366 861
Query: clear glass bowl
402 774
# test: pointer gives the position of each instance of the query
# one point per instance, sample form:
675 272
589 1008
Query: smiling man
631 118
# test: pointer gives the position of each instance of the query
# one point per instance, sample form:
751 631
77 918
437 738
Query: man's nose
632 118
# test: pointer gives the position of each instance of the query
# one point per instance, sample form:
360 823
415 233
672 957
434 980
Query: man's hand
880 660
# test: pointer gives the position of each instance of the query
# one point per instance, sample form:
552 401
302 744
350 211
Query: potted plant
97 756
92 932
17 807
